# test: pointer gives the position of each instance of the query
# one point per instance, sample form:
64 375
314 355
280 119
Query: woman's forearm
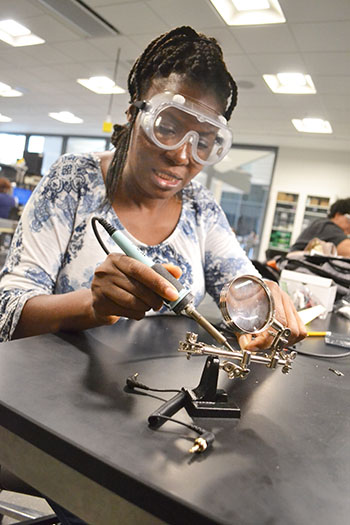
51 313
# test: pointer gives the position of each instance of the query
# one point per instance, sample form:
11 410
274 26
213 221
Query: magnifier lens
246 305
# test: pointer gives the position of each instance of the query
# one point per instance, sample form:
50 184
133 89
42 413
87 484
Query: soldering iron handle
168 409
131 250
159 268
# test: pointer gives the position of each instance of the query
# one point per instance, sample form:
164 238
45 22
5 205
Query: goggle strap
140 104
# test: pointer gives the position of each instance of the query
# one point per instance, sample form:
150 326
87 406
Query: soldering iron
184 303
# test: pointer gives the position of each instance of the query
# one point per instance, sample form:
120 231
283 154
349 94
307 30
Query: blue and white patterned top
54 249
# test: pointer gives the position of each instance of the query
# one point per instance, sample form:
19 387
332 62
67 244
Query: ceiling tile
47 54
19 10
327 63
239 65
265 39
110 46
195 13
133 18
17 57
79 51
330 36
278 62
315 10
52 30
332 84
337 101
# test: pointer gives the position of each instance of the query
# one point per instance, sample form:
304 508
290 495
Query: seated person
335 228
7 201
56 276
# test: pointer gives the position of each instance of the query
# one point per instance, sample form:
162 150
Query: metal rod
192 312
203 349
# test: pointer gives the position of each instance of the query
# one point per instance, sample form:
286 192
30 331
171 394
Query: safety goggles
171 120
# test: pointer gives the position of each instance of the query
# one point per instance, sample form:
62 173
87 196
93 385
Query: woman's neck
148 219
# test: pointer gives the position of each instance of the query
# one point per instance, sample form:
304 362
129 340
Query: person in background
335 229
8 203
57 277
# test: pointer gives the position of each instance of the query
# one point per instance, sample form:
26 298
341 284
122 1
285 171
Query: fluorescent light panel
250 5
290 83
101 85
7 91
17 35
3 118
67 117
312 125
249 12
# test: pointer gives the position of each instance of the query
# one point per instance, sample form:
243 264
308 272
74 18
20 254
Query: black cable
205 438
105 224
132 383
328 356
195 428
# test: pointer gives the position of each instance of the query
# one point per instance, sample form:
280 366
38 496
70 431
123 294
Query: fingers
154 285
257 342
294 322
174 270
244 340
125 287
286 313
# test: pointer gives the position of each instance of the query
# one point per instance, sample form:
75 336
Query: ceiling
315 40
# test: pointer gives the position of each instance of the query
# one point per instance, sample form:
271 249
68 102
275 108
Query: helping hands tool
184 303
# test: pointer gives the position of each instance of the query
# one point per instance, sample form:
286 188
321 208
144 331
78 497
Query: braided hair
183 51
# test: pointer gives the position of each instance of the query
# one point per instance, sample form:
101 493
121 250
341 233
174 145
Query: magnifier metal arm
280 336
248 308
192 347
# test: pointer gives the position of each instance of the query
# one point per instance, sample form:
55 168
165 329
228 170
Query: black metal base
204 401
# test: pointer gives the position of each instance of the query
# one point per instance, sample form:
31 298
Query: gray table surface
285 461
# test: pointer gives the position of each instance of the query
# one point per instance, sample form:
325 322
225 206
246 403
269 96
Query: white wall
322 173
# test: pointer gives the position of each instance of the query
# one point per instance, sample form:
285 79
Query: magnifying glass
247 305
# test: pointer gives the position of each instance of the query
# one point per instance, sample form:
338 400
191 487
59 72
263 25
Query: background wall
318 172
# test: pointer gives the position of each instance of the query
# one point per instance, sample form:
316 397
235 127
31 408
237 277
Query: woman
56 276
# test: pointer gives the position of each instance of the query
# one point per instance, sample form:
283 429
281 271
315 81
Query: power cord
106 226
327 356
201 443
132 382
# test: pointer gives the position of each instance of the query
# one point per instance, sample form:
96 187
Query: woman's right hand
125 287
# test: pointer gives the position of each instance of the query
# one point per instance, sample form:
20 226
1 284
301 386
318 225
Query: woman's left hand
285 313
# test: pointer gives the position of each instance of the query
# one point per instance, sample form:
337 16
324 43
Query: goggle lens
172 126
171 120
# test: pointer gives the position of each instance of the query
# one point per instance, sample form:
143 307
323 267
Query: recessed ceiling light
312 125
7 91
250 5
17 35
292 83
66 117
101 85
3 118
249 12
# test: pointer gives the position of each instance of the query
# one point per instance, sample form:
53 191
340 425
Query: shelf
314 206
315 214
284 204
279 248
281 229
